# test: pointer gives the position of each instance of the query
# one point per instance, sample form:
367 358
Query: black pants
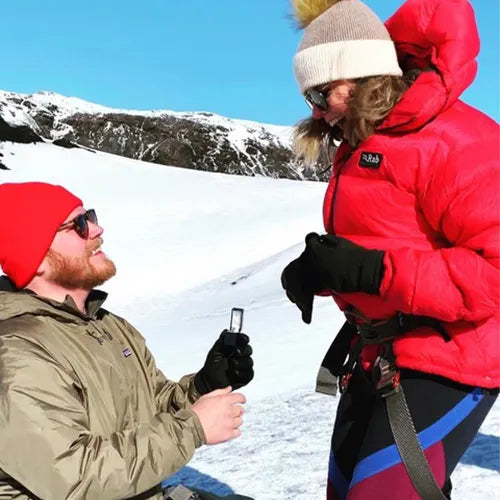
364 461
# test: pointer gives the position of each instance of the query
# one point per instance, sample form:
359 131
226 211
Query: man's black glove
331 263
229 362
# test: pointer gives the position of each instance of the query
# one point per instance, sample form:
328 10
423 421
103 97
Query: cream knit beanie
343 39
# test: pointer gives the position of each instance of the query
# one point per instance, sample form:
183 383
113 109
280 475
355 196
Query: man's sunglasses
317 98
81 223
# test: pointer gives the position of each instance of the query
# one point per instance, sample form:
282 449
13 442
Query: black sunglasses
317 98
81 223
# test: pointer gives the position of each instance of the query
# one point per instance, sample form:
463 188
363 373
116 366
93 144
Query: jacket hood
19 303
433 34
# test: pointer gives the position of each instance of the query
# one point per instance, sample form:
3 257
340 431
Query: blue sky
230 57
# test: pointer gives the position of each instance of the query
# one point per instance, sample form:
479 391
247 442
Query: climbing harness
358 332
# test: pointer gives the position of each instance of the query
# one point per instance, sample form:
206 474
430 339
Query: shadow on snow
190 477
483 452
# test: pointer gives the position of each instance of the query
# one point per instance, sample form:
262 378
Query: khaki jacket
84 412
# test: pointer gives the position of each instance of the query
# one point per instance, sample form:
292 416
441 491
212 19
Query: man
84 412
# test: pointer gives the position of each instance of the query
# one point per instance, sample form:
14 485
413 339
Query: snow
189 246
16 115
67 106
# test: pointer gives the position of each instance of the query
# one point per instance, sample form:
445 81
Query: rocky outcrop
201 141
21 133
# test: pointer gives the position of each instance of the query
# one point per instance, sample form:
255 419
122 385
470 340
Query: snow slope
190 245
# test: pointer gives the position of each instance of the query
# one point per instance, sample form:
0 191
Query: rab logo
370 160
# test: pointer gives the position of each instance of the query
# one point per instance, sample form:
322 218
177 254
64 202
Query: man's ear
44 267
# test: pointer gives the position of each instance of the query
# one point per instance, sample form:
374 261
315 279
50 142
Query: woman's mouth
334 121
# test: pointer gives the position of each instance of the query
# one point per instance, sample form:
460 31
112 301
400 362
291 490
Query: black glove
299 285
343 266
229 362
331 263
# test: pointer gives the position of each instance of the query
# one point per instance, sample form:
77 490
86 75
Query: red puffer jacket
425 188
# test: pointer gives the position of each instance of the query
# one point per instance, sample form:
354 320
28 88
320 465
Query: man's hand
229 363
331 263
221 414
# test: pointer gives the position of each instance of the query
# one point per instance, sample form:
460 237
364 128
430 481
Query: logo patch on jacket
127 352
370 160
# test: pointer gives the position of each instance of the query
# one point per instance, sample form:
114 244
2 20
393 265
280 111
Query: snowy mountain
201 141
191 245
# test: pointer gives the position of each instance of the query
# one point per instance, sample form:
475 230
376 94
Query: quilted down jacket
425 188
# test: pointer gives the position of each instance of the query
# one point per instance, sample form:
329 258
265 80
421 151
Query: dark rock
65 143
2 166
201 141
22 133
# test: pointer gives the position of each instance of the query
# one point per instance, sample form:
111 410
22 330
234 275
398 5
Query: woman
411 253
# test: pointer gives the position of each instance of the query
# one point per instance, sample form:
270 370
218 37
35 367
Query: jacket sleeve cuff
398 287
190 388
189 416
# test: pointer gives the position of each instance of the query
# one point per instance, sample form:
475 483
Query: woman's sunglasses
317 98
81 223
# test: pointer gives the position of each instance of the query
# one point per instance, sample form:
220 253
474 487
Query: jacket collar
18 302
93 304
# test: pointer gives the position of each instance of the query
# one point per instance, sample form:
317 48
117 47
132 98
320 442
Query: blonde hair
371 101
311 139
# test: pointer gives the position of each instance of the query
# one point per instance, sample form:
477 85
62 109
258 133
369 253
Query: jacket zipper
342 163
99 334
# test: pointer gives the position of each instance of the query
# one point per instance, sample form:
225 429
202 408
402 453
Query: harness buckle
368 333
386 377
179 492
344 382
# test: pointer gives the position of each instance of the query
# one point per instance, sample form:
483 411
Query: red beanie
30 215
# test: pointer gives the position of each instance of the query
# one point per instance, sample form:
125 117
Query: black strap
409 446
339 349
378 332
332 365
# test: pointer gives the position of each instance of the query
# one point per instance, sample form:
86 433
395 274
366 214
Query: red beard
78 272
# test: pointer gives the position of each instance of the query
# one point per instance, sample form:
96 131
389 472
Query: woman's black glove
229 362
331 263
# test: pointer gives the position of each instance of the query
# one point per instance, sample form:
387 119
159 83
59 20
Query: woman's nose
317 113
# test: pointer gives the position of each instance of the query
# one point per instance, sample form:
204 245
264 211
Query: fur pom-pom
306 11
